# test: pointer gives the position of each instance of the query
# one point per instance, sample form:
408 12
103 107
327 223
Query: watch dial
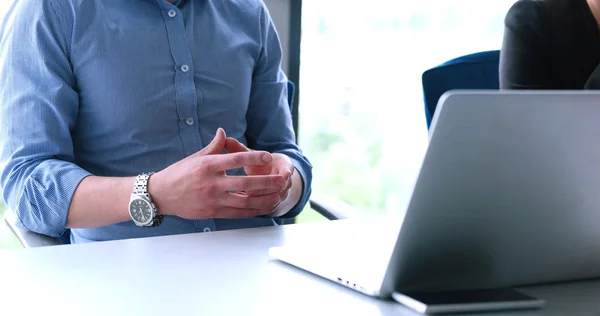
140 211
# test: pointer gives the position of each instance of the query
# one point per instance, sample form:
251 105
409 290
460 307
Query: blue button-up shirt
118 88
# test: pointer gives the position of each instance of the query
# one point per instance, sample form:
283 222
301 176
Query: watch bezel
152 210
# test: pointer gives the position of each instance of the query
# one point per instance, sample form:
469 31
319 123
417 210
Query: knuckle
210 186
203 165
238 159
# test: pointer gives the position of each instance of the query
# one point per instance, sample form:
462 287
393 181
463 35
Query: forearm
100 201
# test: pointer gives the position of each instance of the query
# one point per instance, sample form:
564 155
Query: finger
239 160
286 191
284 195
216 146
263 192
234 212
288 173
265 202
251 183
283 171
287 186
232 145
284 166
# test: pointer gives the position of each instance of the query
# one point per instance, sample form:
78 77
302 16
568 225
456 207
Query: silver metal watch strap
141 184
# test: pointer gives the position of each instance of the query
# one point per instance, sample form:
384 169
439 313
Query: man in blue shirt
113 118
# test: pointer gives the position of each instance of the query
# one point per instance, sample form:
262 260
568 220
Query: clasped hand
198 187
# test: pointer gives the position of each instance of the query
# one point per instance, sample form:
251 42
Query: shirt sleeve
524 58
38 112
269 120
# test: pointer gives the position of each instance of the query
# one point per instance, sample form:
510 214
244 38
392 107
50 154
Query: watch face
141 211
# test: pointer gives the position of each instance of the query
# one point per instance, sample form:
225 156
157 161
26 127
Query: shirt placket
185 91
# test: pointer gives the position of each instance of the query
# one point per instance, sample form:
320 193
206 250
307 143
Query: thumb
216 146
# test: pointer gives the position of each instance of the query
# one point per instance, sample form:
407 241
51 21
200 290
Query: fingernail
267 158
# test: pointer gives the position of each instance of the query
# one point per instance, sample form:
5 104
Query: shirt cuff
44 204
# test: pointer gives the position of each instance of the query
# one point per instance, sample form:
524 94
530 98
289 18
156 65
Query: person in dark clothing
551 44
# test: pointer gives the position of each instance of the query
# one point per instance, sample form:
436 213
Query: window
362 119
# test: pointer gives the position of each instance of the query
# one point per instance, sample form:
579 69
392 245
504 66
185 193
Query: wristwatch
141 209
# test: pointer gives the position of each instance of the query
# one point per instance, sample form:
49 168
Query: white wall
280 13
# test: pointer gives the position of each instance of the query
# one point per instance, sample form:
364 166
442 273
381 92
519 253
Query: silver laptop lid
508 193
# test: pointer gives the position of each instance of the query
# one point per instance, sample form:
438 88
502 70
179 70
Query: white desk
220 273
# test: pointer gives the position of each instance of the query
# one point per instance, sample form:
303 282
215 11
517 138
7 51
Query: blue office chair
330 208
473 71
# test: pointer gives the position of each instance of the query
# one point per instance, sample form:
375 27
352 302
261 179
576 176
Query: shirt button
185 68
189 121
172 13
206 229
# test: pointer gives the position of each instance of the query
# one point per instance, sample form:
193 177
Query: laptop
508 194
